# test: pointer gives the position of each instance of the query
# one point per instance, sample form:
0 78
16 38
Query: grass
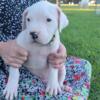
82 39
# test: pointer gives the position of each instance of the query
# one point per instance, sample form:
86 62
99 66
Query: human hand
58 59
12 53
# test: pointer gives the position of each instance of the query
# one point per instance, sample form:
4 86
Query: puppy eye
28 19
49 20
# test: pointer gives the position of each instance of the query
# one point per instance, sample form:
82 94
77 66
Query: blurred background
82 36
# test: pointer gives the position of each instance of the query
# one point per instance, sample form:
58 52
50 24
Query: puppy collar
51 39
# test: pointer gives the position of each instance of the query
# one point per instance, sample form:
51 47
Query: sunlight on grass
77 7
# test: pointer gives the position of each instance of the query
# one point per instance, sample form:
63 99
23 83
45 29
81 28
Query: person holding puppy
14 55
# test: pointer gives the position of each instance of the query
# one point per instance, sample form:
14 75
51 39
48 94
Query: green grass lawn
82 39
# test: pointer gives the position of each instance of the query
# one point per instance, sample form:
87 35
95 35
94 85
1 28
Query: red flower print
77 61
23 98
65 82
77 77
42 93
72 67
33 81
87 85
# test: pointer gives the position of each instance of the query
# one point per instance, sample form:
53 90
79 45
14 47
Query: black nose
34 35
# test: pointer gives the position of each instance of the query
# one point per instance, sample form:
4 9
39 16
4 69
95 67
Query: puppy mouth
51 40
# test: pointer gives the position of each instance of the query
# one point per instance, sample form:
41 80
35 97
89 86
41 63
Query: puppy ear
24 19
62 19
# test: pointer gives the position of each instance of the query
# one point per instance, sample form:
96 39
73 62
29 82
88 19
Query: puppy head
42 20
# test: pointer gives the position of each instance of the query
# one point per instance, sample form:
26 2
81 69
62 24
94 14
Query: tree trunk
58 2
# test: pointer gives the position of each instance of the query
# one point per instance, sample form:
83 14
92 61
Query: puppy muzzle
35 39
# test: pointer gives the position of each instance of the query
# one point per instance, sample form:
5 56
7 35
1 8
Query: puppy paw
11 90
53 88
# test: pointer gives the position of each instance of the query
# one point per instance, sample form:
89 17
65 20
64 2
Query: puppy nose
34 35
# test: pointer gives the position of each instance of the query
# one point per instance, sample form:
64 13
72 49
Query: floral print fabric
31 87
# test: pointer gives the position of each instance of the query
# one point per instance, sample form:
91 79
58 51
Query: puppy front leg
61 76
12 85
53 87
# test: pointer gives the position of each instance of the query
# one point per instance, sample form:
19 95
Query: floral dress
31 87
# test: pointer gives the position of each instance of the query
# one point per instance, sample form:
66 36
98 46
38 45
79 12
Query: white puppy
42 23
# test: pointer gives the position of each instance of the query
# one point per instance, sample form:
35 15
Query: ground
82 39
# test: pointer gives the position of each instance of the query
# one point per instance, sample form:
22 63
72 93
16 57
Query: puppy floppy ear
24 19
62 19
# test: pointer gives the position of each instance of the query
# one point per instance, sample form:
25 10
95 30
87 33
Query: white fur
38 51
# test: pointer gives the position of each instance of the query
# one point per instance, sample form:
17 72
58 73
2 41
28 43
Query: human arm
58 59
13 54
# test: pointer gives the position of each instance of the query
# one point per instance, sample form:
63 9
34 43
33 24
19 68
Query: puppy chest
37 64
37 59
